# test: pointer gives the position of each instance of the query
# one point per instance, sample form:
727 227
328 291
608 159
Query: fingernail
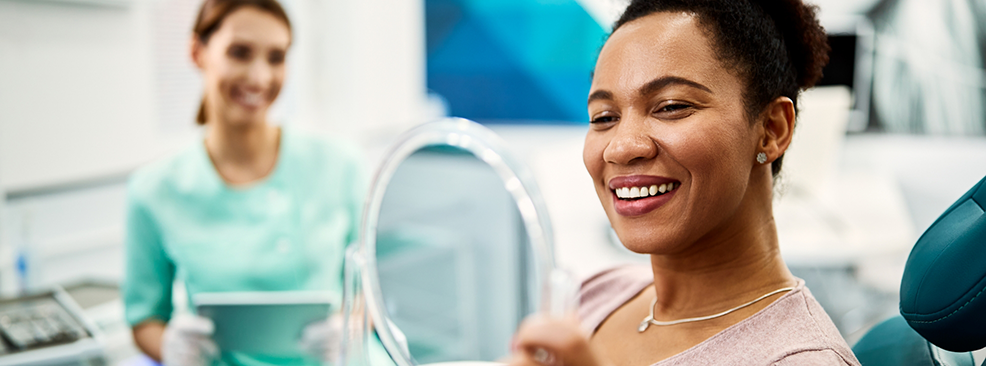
542 356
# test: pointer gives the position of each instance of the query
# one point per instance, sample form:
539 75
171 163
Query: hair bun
806 40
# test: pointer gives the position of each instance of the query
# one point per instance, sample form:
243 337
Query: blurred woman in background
692 107
252 207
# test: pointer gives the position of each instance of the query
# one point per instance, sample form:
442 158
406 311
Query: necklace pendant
643 326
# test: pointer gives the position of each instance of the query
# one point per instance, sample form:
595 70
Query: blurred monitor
851 64
841 69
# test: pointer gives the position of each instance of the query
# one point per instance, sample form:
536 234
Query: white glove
187 341
322 339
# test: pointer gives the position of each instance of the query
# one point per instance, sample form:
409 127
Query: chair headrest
943 291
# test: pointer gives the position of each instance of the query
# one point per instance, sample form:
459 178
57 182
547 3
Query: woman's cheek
592 156
275 90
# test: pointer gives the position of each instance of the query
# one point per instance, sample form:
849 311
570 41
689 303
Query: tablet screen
269 323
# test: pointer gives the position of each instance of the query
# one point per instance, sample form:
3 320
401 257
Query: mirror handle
563 293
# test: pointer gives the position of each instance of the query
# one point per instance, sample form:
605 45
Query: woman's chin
648 250
646 244
246 118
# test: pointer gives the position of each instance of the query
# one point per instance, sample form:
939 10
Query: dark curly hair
776 46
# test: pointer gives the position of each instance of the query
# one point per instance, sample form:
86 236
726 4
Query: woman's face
666 112
243 65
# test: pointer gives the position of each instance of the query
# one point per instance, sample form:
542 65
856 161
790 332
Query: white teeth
641 192
252 99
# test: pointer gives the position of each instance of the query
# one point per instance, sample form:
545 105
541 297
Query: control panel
46 329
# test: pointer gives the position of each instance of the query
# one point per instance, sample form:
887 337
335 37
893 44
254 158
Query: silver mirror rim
517 178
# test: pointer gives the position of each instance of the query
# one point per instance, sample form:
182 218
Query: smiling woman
692 106
246 63
253 207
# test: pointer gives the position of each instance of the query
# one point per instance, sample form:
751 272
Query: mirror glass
452 257
455 251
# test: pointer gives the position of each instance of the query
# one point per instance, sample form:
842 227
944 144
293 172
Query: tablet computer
269 322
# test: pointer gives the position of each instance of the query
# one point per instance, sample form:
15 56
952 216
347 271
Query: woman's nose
259 73
631 143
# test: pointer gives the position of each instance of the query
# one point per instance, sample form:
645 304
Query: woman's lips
250 100
639 194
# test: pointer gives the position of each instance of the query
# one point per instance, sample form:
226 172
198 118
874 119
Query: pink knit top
793 330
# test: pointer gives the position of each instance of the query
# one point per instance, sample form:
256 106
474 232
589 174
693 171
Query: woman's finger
523 358
552 341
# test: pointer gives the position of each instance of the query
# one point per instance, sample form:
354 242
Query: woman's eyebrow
600 94
662 82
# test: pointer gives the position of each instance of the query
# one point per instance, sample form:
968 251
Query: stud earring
761 157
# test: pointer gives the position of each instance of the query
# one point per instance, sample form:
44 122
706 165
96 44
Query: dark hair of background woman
777 47
211 16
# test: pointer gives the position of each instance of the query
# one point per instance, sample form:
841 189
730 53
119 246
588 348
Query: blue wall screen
512 61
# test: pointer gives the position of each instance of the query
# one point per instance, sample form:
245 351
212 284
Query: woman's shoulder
314 161
793 330
810 335
605 291
174 172
320 148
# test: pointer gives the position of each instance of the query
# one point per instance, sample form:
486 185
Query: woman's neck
242 154
741 262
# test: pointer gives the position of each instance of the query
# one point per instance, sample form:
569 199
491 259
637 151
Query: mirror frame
362 286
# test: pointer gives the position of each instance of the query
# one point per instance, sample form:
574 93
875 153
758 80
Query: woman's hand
551 341
322 339
187 341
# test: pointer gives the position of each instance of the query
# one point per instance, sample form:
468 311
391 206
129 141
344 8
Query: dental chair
942 294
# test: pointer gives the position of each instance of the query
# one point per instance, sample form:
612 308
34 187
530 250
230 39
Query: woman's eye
239 52
604 119
275 58
674 111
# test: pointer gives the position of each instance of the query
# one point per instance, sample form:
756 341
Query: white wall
75 96
371 82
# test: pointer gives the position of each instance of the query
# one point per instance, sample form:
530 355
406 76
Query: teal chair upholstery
894 343
942 300
942 291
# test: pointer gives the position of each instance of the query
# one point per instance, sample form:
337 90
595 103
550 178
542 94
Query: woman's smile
249 99
635 195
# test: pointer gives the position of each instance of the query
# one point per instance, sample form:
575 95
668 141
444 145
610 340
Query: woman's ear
778 128
197 51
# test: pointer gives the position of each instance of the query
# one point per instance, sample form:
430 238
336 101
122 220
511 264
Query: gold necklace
650 318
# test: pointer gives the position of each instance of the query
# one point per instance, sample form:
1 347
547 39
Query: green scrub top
286 232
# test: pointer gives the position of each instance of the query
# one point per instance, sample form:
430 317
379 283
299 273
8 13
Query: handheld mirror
455 251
